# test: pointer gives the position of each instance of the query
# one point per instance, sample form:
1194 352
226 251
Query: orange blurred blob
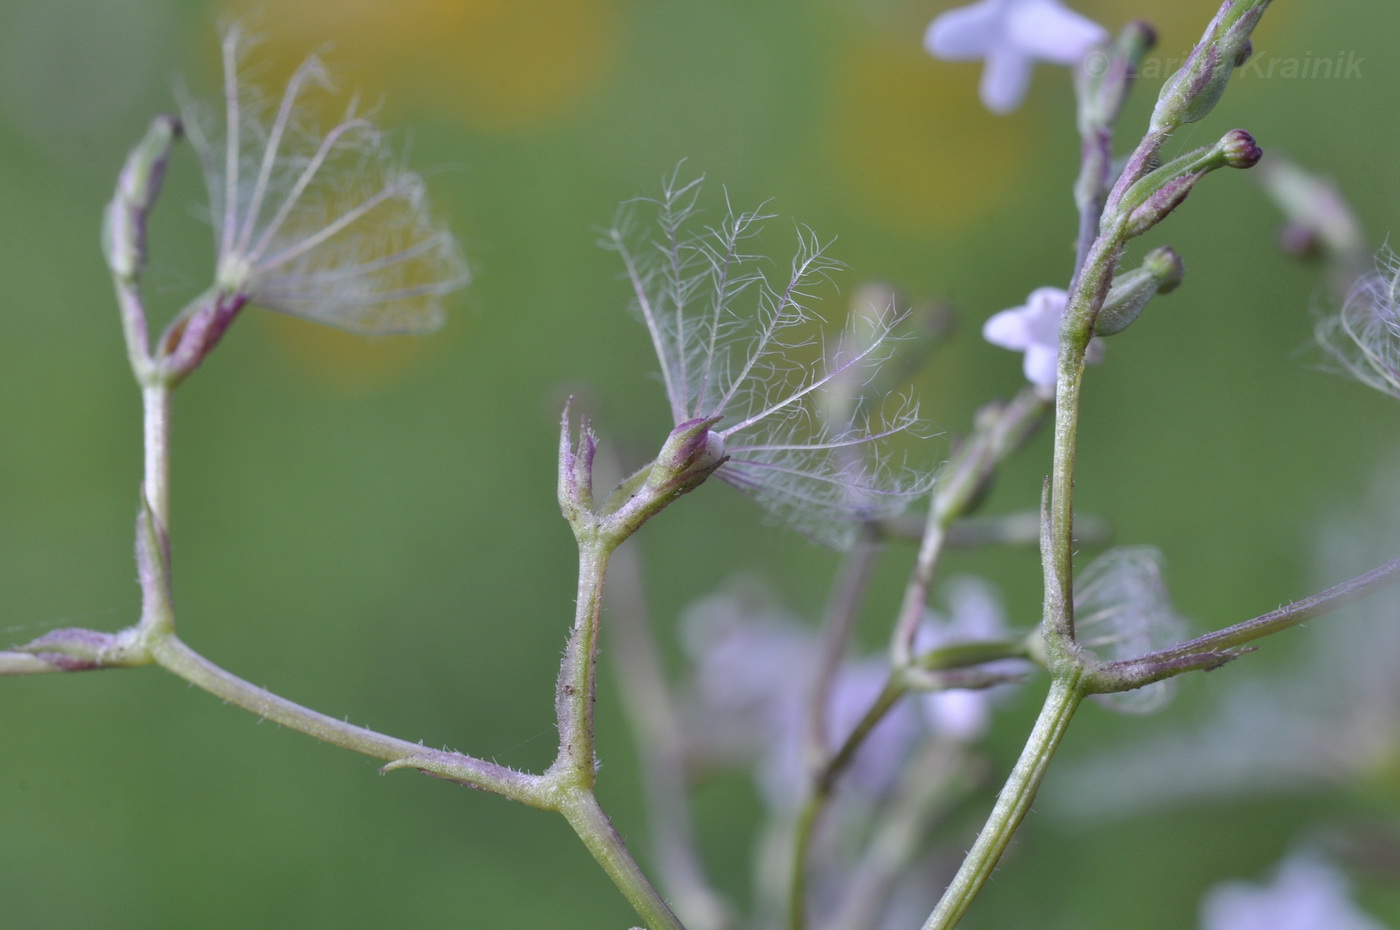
346 362
911 142
499 65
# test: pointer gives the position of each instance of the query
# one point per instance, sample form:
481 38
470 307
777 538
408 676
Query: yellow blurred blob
912 145
345 362
498 65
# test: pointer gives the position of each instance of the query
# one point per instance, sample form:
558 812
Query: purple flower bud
1240 149
138 185
1191 93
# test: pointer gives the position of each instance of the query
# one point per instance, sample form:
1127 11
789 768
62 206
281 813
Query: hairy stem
1133 673
581 809
174 656
1012 805
843 607
577 687
155 402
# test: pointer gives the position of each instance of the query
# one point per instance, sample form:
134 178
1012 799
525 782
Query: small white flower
325 226
731 344
754 670
1034 328
1307 894
1010 35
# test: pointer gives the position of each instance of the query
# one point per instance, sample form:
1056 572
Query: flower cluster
755 667
731 344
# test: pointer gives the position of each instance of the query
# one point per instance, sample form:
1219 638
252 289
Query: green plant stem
937 778
826 775
999 432
1165 663
155 403
581 809
578 673
571 778
842 609
173 655
1013 802
1086 297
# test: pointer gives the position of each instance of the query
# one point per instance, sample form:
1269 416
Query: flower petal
1040 365
1008 329
967 32
1050 31
1005 79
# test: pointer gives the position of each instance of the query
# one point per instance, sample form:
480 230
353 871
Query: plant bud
1191 93
1240 150
1106 79
1163 189
138 185
1160 272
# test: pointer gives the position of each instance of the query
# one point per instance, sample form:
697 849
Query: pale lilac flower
736 345
1306 894
327 226
754 667
1034 328
1010 36
974 613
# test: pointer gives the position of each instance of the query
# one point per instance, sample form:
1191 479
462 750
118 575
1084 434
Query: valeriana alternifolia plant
859 755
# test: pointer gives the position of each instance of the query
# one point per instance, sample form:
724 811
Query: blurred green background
370 527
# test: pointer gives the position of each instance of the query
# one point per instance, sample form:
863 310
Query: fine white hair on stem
736 341
328 226
1363 338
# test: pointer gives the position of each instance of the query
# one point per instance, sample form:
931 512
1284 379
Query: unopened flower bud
138 185
1240 150
1191 93
1107 76
691 454
1163 189
1319 223
1298 241
1160 272
1160 202
1245 51
575 467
